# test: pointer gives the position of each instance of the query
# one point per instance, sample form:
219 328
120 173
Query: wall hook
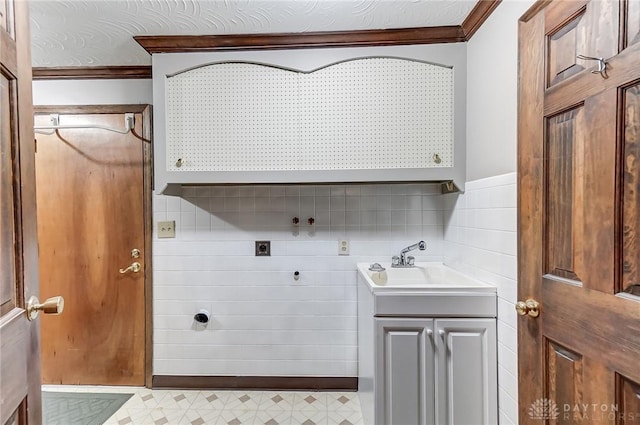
602 65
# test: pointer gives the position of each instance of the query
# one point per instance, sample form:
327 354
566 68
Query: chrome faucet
407 261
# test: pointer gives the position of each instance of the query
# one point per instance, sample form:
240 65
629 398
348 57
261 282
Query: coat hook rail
129 122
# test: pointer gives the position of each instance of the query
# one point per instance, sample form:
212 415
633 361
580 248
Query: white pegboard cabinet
310 116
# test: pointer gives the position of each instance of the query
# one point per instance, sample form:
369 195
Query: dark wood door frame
146 112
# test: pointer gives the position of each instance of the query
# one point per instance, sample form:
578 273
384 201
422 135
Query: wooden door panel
564 377
7 217
631 191
7 18
569 25
580 195
13 377
628 400
565 155
90 217
632 24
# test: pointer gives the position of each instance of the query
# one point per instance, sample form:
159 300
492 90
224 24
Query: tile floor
178 407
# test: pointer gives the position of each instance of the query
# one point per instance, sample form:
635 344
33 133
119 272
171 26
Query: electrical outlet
343 247
263 248
167 229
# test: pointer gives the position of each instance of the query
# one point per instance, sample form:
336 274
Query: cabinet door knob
529 307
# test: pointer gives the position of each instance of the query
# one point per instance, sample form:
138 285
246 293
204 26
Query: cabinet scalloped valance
374 113
340 115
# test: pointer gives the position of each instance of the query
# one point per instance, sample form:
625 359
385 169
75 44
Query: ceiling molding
387 37
92 72
478 15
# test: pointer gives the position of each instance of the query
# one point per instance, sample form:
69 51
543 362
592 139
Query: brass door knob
54 305
529 307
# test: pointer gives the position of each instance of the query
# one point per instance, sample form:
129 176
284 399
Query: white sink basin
423 276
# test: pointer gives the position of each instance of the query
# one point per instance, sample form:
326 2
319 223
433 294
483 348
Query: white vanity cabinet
427 356
310 116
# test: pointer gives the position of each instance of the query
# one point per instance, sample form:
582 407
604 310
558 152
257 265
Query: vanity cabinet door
405 377
466 367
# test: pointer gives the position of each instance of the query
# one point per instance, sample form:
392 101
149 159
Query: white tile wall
481 240
263 321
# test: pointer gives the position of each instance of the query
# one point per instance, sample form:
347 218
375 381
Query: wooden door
19 349
579 197
91 216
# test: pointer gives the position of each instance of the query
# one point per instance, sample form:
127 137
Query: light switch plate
167 229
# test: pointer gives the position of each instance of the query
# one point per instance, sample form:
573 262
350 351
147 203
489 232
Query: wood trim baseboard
478 15
306 40
280 383
92 72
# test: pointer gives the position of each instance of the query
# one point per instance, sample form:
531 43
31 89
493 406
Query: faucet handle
395 260
411 260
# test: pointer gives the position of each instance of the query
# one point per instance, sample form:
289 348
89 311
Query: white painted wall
92 92
481 225
492 83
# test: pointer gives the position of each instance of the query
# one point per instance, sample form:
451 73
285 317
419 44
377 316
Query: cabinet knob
529 307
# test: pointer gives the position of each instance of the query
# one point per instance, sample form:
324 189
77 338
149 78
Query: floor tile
164 416
307 417
272 417
314 401
276 401
200 417
236 417
243 400
145 399
128 416
343 401
218 407
177 399
210 400
344 418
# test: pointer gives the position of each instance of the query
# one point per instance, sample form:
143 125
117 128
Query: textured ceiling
99 32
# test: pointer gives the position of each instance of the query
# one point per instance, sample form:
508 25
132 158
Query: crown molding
305 40
478 15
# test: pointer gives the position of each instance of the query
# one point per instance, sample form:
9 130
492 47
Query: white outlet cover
167 229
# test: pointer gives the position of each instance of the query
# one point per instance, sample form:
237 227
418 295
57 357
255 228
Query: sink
421 277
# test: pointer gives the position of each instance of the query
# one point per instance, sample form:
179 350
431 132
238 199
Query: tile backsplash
263 321
480 239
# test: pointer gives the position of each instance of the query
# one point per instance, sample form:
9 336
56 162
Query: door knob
529 307
54 305
134 267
